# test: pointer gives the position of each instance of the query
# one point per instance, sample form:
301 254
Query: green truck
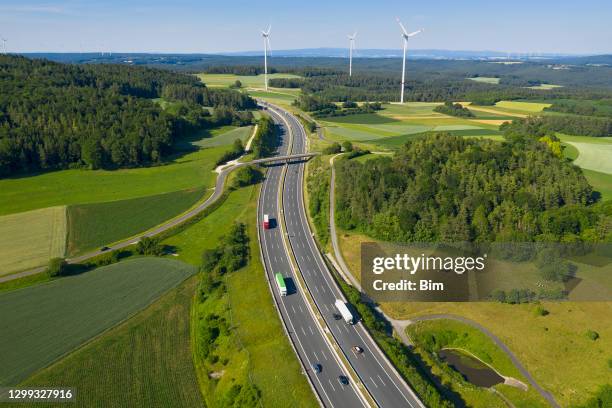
280 282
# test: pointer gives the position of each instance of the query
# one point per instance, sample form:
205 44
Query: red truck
266 222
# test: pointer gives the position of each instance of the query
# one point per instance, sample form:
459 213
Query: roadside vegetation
249 357
317 187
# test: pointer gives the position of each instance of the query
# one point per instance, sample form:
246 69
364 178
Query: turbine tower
266 39
4 40
405 36
351 48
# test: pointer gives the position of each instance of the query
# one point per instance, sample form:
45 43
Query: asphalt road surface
380 378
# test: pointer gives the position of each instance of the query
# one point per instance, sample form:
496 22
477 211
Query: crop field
29 239
396 124
545 87
92 225
259 347
145 361
67 187
554 348
248 81
37 328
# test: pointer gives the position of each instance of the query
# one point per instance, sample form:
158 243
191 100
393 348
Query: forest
98 116
446 188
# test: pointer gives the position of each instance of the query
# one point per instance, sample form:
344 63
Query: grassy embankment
256 350
39 328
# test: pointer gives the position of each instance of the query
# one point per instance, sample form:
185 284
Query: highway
308 340
382 381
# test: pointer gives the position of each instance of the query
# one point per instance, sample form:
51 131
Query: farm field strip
29 239
246 80
43 322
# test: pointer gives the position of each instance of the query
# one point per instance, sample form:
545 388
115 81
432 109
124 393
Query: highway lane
376 372
303 330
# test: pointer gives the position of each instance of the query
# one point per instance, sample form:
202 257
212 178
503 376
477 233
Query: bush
57 267
333 148
149 246
540 311
592 334
246 176
347 146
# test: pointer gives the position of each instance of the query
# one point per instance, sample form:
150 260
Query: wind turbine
351 48
266 39
405 36
4 40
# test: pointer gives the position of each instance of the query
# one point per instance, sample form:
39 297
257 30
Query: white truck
344 311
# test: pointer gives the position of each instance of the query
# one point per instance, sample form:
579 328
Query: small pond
472 369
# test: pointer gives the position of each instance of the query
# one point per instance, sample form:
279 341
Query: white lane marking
331 385
373 382
293 308
311 331
315 354
301 310
325 307
381 380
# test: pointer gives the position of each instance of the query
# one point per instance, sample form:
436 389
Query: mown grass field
554 348
44 322
93 225
145 361
258 346
453 334
596 157
225 138
67 187
30 238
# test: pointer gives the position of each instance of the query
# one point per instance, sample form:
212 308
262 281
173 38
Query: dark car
316 368
337 316
343 380
104 248
357 349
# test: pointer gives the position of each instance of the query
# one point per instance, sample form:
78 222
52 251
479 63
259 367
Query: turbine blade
402 26
415 33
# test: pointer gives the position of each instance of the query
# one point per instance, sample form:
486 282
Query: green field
67 187
258 348
145 361
93 225
31 238
396 124
226 137
248 81
596 157
545 87
44 322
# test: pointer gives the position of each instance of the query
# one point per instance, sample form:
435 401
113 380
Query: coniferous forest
99 116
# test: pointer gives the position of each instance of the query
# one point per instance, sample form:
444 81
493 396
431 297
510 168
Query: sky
204 26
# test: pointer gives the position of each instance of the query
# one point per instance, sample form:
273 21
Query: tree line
454 109
99 116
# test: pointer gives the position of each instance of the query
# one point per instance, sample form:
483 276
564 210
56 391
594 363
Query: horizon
189 27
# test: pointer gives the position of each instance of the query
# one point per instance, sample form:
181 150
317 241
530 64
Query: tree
149 246
57 267
347 146
245 176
